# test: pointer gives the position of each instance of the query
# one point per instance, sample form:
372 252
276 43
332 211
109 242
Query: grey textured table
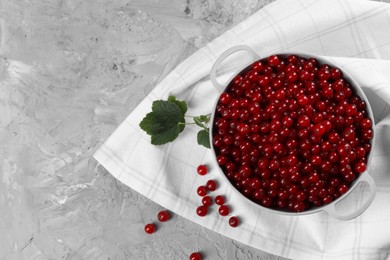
70 73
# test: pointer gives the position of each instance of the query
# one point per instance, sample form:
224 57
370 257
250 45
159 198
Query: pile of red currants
291 133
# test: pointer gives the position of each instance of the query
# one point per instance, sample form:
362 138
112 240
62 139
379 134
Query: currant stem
180 123
208 115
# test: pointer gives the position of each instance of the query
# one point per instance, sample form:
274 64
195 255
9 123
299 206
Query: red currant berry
211 185
202 169
366 123
243 129
224 210
333 137
273 60
327 199
316 160
196 256
351 110
302 100
360 152
219 200
319 130
299 207
163 216
225 98
292 59
150 228
323 74
233 221
257 66
201 211
263 80
292 76
202 191
343 188
221 159
303 121
360 167
207 201
335 73
367 134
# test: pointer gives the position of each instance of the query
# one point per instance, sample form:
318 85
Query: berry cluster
162 216
207 201
291 133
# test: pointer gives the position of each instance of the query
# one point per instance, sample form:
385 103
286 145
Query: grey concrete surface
70 73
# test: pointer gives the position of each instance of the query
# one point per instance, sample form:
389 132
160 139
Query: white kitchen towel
354 34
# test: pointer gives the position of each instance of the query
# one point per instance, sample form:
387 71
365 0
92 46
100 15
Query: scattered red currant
219 200
233 221
163 216
150 228
196 256
202 211
202 169
224 210
211 185
202 191
207 201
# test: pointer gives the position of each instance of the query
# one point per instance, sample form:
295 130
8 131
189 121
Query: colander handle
224 55
365 177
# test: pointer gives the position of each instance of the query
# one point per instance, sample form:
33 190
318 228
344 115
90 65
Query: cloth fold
352 34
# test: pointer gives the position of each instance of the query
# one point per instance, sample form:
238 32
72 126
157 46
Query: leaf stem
180 123
199 115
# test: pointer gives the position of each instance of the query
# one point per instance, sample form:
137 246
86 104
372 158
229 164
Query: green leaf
204 118
165 137
146 123
203 138
198 122
165 125
181 104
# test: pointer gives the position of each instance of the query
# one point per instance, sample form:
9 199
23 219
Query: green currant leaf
165 137
181 104
203 138
146 123
198 122
204 118
164 123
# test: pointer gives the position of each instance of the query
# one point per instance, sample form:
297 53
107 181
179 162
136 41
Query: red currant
343 188
257 66
196 256
219 200
366 123
202 169
202 211
225 98
150 228
163 216
207 201
351 110
202 191
303 121
273 60
224 210
360 167
233 221
211 185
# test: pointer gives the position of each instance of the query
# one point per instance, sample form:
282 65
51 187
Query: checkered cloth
355 35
